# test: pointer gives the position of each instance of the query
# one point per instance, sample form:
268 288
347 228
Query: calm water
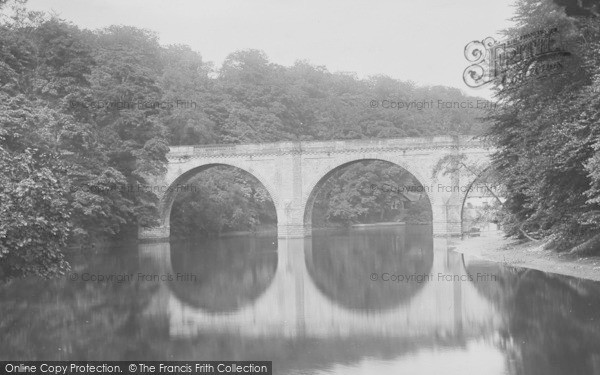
376 301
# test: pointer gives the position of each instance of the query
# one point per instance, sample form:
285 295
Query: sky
414 40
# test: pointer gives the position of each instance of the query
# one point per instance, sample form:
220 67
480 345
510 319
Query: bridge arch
471 181
167 200
315 185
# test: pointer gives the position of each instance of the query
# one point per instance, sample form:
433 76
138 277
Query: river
368 301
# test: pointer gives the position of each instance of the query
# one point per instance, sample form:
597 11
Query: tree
218 200
546 132
368 192
34 215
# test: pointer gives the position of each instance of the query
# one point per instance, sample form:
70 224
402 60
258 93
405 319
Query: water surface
369 301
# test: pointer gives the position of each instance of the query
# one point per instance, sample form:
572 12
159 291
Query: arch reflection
341 265
225 274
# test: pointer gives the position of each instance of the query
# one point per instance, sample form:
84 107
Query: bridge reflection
341 265
292 305
226 275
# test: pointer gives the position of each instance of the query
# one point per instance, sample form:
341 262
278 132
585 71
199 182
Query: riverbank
494 247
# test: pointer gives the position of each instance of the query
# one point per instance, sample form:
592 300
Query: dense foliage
548 135
221 199
89 115
66 164
371 192
35 215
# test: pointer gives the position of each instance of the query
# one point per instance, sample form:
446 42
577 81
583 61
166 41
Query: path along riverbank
492 246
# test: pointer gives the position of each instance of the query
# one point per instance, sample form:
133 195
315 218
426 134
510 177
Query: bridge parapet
310 147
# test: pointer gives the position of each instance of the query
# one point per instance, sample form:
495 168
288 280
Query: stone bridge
293 173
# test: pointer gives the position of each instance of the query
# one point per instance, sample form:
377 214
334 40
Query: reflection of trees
341 265
77 320
229 273
552 322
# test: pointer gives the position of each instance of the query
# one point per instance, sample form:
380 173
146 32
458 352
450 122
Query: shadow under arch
166 203
314 190
223 275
